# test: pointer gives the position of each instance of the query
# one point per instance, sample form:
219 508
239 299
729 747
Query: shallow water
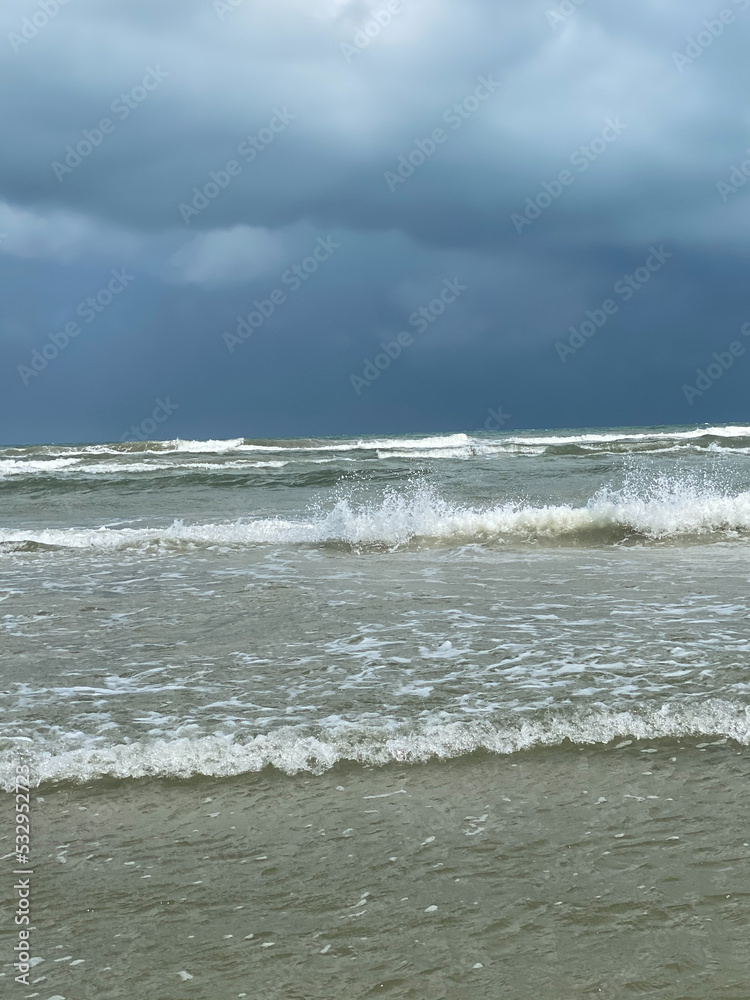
558 873
516 639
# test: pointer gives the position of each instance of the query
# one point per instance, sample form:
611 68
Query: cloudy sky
228 208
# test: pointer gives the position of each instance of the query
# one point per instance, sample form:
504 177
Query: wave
51 472
75 467
150 455
289 752
635 435
222 447
680 509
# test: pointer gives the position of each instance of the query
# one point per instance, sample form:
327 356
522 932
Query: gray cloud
313 131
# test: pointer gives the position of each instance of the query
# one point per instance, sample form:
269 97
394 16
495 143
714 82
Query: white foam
75 469
12 467
466 452
436 444
289 752
611 437
200 447
62 459
667 509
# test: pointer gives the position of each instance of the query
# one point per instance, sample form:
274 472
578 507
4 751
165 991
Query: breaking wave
289 752
148 457
666 509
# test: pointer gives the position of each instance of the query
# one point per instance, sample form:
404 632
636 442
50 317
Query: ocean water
447 716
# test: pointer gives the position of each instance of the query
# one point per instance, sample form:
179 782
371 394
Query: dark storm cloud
220 141
223 79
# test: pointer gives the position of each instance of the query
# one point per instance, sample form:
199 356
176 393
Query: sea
429 716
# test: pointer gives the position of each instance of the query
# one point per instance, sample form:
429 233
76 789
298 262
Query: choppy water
524 618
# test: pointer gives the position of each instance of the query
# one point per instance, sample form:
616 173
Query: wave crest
68 459
666 509
287 751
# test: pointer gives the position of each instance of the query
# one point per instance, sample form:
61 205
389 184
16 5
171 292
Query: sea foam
287 751
656 511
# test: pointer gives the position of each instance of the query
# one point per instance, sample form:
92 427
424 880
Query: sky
291 218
